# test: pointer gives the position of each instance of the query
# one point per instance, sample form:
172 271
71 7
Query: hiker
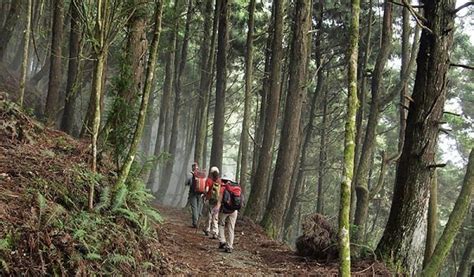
228 206
213 188
196 185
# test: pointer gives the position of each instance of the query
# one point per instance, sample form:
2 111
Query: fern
105 199
130 215
6 244
93 257
4 266
121 259
120 198
41 204
153 214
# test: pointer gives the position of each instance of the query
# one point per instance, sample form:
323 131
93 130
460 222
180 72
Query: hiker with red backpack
229 204
197 186
213 188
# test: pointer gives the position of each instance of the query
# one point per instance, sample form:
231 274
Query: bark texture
217 147
273 218
55 73
349 148
402 242
455 221
257 199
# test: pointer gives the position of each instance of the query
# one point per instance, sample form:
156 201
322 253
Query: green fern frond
121 259
41 204
105 199
153 215
4 266
120 197
93 257
130 215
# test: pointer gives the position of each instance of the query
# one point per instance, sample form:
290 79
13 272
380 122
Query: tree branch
465 5
462 65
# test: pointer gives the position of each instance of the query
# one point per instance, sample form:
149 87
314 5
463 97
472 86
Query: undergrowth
45 225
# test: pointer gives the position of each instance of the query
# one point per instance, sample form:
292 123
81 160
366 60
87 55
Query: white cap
214 169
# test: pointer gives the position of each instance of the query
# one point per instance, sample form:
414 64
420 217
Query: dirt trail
191 252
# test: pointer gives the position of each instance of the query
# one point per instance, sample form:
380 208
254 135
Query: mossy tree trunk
402 242
362 174
273 218
257 198
432 220
26 44
349 140
455 221
149 80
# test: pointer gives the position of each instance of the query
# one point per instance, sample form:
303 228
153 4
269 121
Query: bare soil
191 252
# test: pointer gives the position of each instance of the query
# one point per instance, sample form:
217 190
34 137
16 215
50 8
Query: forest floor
191 252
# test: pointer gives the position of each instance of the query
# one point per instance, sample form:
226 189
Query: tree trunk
55 73
432 220
273 218
244 138
165 101
26 51
145 97
310 127
368 147
75 48
221 75
257 198
322 156
165 181
402 242
207 61
466 264
361 109
455 221
9 27
349 137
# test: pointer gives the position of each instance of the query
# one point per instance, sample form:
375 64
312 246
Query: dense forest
349 126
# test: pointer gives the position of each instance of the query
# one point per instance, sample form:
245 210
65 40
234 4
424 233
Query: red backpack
232 199
199 181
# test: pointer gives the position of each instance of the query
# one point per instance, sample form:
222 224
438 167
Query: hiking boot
228 250
194 225
206 233
222 245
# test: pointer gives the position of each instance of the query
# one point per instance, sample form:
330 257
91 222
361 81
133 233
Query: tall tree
8 27
217 147
26 44
455 221
165 181
166 98
244 137
401 244
290 136
55 72
145 97
349 137
257 199
75 46
206 65
368 147
432 219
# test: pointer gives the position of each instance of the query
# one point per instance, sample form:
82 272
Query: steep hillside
45 226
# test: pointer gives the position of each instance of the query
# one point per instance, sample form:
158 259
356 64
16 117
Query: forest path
191 252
